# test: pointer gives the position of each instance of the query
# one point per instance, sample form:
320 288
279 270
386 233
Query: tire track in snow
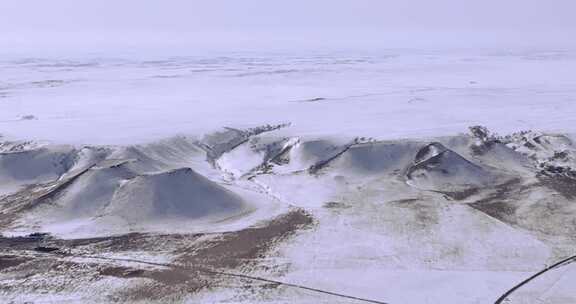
562 263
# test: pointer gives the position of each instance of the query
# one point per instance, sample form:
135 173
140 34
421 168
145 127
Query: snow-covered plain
339 176
385 94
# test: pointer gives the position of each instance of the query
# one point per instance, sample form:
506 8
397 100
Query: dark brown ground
234 251
203 260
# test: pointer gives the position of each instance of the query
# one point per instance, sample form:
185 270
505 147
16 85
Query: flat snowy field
388 94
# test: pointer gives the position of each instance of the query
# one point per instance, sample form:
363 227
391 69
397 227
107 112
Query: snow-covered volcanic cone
177 194
438 168
116 199
375 158
93 191
35 165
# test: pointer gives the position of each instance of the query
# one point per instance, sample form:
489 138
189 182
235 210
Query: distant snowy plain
389 94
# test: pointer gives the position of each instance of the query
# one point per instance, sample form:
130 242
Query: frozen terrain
393 93
254 216
274 178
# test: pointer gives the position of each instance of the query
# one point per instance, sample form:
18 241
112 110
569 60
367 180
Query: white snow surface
102 99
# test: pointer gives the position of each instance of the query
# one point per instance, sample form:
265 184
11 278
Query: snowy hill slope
247 207
440 169
177 194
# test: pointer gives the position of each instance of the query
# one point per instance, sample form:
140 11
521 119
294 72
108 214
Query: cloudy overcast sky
396 22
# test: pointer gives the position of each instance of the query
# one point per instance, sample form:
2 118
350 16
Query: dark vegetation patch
500 210
405 201
169 286
7 261
121 243
202 258
547 217
461 195
335 205
200 265
416 216
315 99
235 249
496 204
122 272
131 242
501 191
48 270
20 242
425 215
50 83
564 184
46 249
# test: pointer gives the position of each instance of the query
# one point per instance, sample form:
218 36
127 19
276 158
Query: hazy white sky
28 22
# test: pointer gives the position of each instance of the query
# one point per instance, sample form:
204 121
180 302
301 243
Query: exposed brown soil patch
336 205
547 217
461 195
496 204
164 276
501 191
235 249
564 185
201 262
122 272
404 201
7 261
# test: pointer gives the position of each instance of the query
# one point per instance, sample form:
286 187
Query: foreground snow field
324 178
